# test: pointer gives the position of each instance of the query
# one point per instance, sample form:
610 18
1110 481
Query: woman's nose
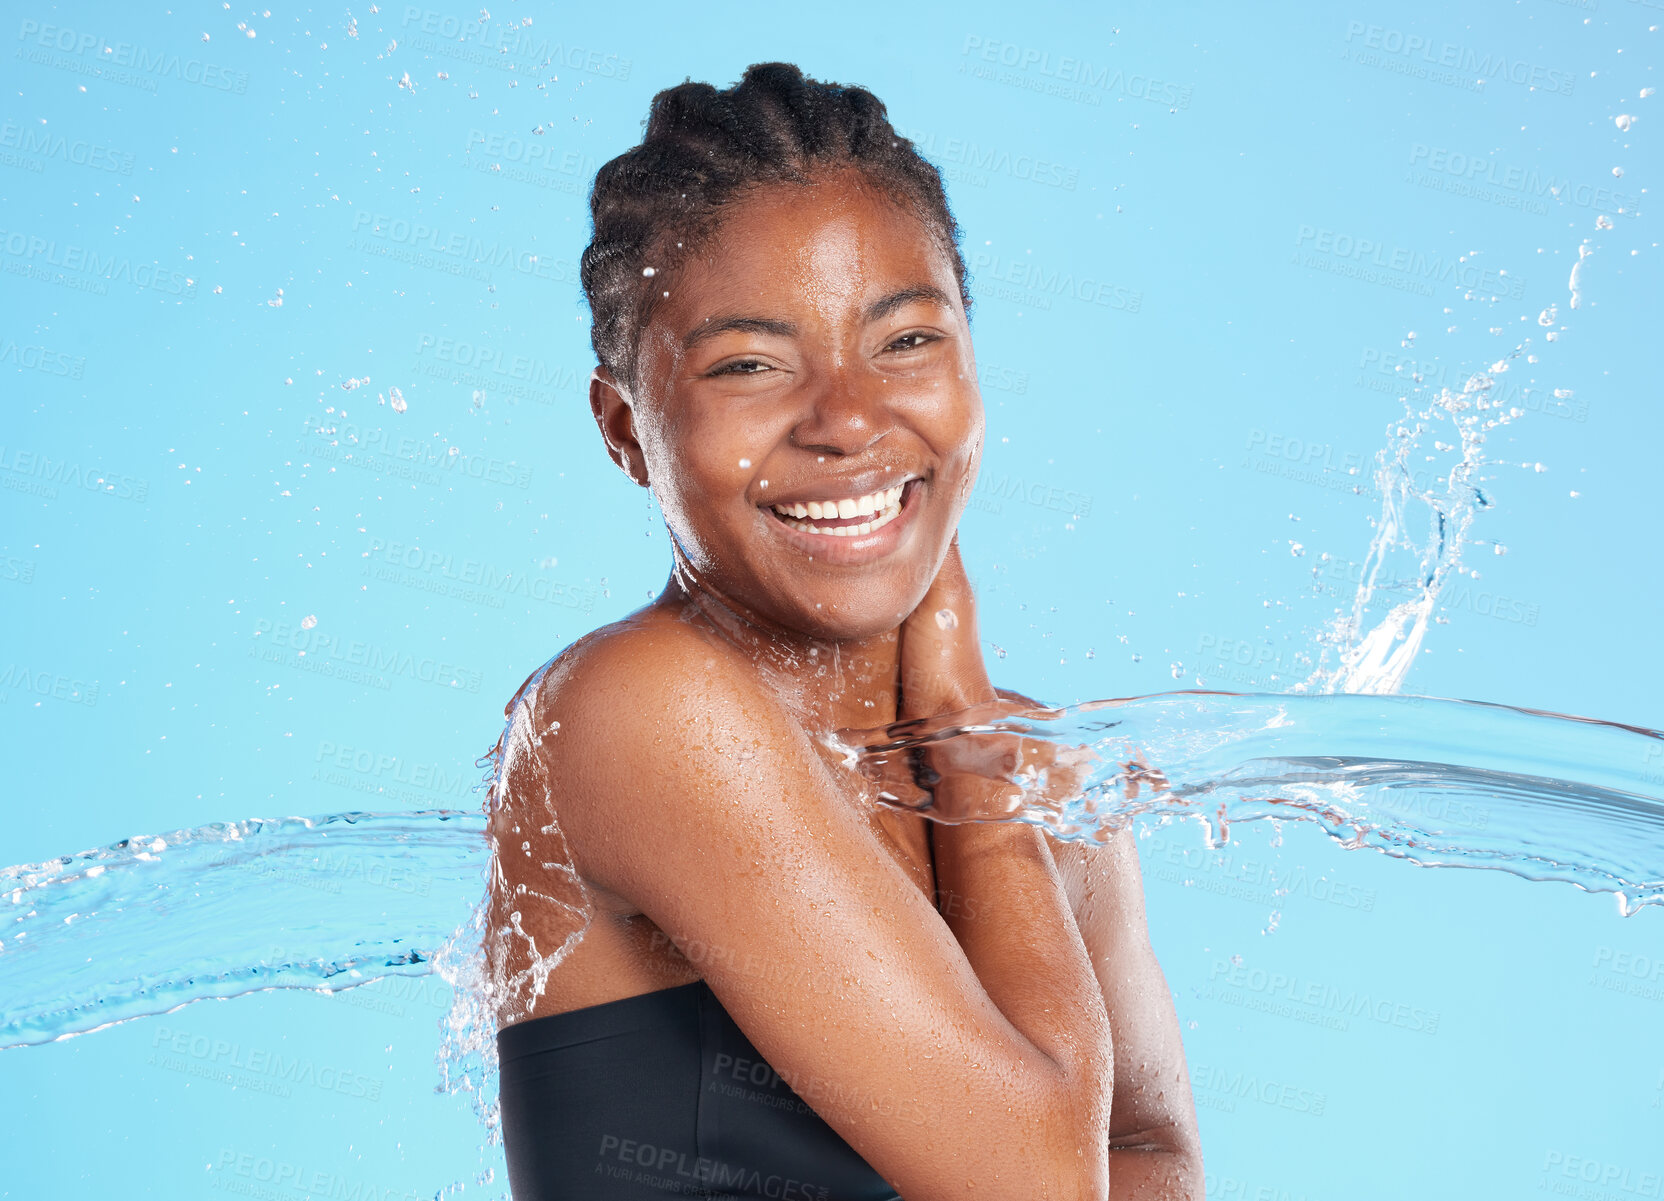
844 413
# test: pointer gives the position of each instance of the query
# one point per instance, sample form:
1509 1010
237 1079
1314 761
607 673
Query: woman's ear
610 402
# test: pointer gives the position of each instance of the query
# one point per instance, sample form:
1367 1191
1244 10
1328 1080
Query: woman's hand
941 659
974 776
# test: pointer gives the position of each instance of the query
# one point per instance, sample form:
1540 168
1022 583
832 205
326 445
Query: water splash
149 924
1352 656
156 921
1569 798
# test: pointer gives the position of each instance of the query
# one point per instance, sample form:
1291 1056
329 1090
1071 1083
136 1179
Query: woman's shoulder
641 727
654 652
655 685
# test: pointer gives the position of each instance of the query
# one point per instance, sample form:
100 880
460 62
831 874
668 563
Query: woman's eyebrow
712 326
876 311
879 309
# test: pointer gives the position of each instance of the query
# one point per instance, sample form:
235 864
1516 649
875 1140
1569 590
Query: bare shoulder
648 674
645 718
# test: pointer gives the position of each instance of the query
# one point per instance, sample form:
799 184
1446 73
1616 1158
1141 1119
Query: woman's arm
688 790
1155 1149
1057 997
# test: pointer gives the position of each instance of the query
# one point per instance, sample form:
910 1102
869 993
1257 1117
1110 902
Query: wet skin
814 348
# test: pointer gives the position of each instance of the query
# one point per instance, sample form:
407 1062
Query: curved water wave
326 903
156 921
1566 798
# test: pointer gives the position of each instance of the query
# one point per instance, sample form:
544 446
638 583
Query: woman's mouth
845 517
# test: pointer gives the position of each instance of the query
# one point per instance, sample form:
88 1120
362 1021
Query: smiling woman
782 989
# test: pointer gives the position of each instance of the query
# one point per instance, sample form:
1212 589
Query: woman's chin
850 615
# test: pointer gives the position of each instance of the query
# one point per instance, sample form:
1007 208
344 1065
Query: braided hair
704 148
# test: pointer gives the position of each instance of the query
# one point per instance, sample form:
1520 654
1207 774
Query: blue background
213 219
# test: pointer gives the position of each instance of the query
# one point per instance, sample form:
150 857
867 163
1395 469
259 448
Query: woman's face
806 407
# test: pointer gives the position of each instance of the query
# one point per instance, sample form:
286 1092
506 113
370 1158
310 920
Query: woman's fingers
941 659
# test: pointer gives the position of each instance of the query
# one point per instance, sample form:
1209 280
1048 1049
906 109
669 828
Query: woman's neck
830 684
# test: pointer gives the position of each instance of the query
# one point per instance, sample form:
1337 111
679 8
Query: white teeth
882 507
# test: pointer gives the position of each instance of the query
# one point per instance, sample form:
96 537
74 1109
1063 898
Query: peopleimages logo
970 162
472 580
1247 1086
536 152
18 571
357 661
42 143
66 49
1316 999
1065 75
32 682
1480 172
1412 270
37 474
414 241
376 448
84 270
380 772
522 377
504 46
1036 284
1395 373
991 490
41 358
1600 1180
1423 53
264 1178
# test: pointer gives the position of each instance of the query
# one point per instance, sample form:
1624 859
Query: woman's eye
743 367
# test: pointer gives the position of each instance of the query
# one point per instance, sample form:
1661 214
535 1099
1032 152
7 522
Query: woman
778 988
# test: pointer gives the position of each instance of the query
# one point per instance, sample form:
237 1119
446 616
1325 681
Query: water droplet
947 619
1177 669
648 272
1617 172
308 622
745 463
999 651
1623 121
396 399
1603 222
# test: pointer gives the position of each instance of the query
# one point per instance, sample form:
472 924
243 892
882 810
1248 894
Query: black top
662 1094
